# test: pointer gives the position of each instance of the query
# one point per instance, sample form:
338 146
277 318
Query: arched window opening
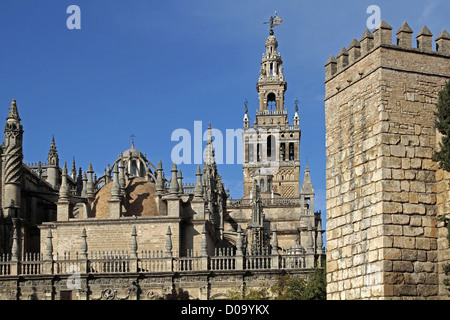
133 168
250 152
258 152
291 151
307 205
271 101
271 145
261 185
282 151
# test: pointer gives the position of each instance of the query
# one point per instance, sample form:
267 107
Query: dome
139 199
135 153
271 40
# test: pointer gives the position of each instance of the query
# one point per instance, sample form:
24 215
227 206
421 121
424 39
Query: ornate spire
319 237
198 189
271 85
204 245
296 117
274 239
174 187
246 119
49 249
310 241
90 182
84 185
52 158
307 187
122 181
73 173
239 241
12 166
168 242
115 189
209 156
15 246
64 189
256 223
257 212
84 246
13 114
134 245
159 178
180 182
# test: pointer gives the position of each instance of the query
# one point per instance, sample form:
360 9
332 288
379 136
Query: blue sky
147 68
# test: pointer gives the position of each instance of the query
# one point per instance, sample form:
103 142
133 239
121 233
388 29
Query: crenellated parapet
382 37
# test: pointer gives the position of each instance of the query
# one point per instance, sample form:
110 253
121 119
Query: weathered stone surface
398 89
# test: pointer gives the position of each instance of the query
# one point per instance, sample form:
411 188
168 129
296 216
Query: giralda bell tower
272 145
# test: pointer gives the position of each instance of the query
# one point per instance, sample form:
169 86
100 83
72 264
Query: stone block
392 207
398 151
416 163
404 242
413 231
402 266
423 243
409 208
400 219
404 290
392 254
417 186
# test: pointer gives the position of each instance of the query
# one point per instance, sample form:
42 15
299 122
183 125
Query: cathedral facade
137 231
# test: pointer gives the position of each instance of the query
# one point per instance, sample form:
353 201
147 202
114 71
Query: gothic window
261 185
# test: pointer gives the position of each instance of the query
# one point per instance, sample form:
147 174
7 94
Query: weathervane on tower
273 22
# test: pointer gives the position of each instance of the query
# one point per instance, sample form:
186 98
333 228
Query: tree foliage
442 124
442 156
179 294
287 287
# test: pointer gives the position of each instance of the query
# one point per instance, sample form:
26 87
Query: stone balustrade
146 262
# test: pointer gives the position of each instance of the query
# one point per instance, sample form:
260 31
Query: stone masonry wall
382 229
110 235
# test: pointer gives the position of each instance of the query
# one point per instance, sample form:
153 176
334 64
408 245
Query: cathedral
137 230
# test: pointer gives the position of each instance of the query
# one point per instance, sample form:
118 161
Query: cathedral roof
139 199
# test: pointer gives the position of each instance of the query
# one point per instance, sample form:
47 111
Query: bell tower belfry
271 85
272 145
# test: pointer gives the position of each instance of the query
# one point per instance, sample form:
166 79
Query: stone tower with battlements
384 193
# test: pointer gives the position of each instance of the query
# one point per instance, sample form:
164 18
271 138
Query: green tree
179 294
314 287
245 293
287 287
442 156
442 124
